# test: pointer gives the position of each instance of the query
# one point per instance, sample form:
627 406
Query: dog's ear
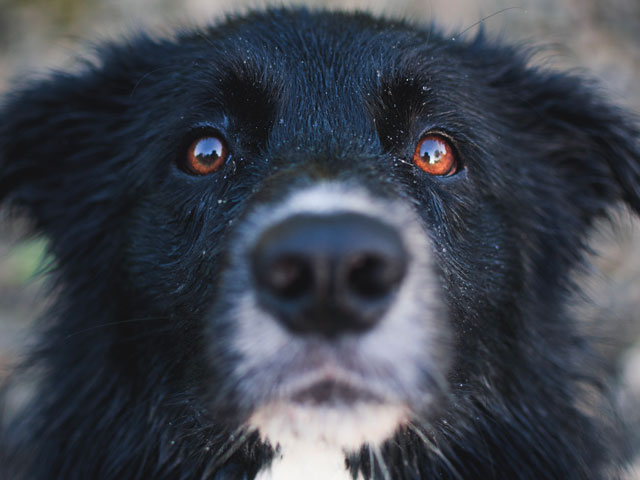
58 143
66 152
592 146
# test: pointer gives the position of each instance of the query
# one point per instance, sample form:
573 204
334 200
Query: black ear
66 154
58 144
593 147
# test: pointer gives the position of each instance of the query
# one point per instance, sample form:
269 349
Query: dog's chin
332 423
329 407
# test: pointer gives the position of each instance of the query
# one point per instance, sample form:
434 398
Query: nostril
289 277
373 276
328 274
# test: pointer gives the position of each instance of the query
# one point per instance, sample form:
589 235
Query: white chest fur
298 462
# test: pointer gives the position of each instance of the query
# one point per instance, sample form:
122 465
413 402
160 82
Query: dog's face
328 218
322 227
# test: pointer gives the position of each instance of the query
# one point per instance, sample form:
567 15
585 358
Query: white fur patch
339 428
391 358
307 462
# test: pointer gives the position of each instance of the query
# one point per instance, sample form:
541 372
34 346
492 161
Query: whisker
403 161
482 20
435 449
111 324
143 335
381 463
148 74
236 439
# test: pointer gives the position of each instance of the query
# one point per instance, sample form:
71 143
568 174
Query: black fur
93 157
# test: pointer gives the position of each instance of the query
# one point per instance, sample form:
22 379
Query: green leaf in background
25 261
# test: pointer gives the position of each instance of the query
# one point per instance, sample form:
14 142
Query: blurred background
600 39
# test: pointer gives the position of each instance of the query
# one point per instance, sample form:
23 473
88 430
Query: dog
319 245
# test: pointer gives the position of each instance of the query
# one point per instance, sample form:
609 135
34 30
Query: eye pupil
208 150
206 155
431 151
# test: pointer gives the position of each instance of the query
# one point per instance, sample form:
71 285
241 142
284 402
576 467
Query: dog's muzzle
335 314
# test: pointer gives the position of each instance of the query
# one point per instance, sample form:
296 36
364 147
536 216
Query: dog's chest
308 464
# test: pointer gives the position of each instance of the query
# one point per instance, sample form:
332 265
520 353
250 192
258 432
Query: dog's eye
206 155
434 154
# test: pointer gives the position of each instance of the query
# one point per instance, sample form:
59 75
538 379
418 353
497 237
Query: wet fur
128 388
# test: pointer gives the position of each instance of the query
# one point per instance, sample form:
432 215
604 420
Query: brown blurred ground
601 38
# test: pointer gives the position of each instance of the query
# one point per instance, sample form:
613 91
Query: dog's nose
329 274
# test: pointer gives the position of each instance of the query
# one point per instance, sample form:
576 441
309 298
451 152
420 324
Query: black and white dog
310 245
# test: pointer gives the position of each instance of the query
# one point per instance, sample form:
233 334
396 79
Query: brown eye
434 154
206 155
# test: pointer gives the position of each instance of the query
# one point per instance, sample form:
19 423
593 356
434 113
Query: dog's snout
329 274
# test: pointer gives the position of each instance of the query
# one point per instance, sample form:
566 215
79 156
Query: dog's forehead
330 69
339 44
